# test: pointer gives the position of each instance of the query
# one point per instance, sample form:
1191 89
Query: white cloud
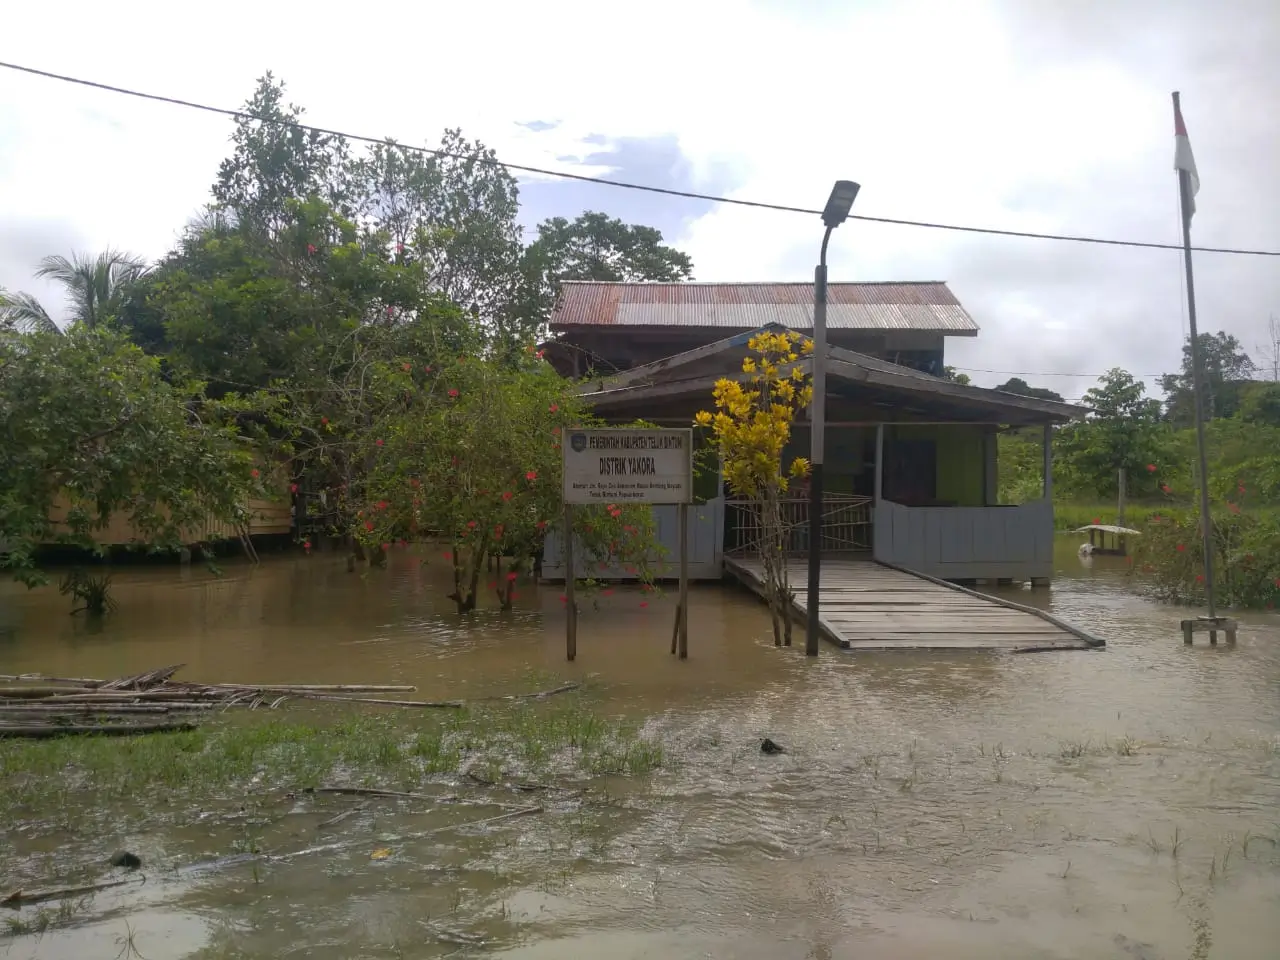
1020 114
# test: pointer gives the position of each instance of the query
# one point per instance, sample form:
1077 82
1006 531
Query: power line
622 184
1044 373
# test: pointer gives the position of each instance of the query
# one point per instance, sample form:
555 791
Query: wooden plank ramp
866 605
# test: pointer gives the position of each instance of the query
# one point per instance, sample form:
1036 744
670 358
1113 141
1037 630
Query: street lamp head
840 203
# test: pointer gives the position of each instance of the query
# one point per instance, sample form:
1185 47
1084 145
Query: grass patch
254 753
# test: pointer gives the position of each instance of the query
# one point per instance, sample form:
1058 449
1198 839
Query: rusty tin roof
926 306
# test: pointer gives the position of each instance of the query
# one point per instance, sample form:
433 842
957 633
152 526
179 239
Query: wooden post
1122 485
570 602
682 611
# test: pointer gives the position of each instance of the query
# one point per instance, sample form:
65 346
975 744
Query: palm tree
94 285
23 312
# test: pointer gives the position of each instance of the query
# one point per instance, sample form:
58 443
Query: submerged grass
252 753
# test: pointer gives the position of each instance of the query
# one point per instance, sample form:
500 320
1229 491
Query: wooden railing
846 525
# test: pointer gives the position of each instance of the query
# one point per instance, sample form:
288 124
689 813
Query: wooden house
911 465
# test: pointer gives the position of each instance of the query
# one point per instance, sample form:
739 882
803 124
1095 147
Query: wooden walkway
868 606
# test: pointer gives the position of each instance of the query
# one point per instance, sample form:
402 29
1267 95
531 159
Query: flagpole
1197 373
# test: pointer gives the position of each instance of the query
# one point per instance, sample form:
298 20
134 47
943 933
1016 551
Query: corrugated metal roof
929 306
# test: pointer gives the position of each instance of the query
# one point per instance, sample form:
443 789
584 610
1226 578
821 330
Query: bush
1169 556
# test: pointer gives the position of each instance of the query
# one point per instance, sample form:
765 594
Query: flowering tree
473 461
750 429
1169 555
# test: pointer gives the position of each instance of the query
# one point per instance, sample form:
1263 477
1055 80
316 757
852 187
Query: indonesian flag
1184 160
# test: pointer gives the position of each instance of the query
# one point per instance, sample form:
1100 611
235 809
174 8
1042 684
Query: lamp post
833 214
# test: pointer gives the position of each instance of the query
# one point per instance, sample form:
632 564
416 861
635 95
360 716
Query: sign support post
570 601
682 608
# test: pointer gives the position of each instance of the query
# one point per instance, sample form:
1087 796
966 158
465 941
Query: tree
1226 368
472 458
1260 403
454 212
1124 430
593 247
95 286
750 428
1023 389
90 423
950 373
276 161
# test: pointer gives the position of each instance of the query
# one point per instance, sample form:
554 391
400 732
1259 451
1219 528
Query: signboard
623 465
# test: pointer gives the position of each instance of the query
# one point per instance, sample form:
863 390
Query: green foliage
594 246
1169 556
1227 368
1260 403
950 373
1023 389
95 287
473 459
88 419
1124 430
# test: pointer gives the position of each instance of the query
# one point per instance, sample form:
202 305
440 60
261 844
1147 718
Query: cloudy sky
1042 115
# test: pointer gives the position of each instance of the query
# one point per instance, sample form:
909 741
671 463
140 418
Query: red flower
555 431
541 524
531 475
390 310
311 248
448 555
471 524
644 603
506 494
554 408
1165 487
293 488
1233 507
399 248
539 354
386 547
406 367
368 524
563 598
1180 548
324 421
497 532
512 576
415 482
254 473
453 395
1097 520
1151 468
1241 488
378 442
382 504
306 544
1199 578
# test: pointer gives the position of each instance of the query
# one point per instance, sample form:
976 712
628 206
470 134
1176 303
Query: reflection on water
1117 803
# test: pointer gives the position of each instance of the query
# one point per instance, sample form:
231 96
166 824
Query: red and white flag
1183 160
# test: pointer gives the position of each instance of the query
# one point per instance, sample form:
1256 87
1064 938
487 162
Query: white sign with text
623 465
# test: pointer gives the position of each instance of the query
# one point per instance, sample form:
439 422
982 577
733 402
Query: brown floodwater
1120 803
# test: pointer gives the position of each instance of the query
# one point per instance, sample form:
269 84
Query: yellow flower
799 467
703 419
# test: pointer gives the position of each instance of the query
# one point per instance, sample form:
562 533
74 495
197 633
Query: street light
833 214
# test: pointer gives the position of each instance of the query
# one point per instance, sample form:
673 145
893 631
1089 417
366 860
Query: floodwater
1120 803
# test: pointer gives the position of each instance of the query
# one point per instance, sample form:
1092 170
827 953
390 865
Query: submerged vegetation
245 756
